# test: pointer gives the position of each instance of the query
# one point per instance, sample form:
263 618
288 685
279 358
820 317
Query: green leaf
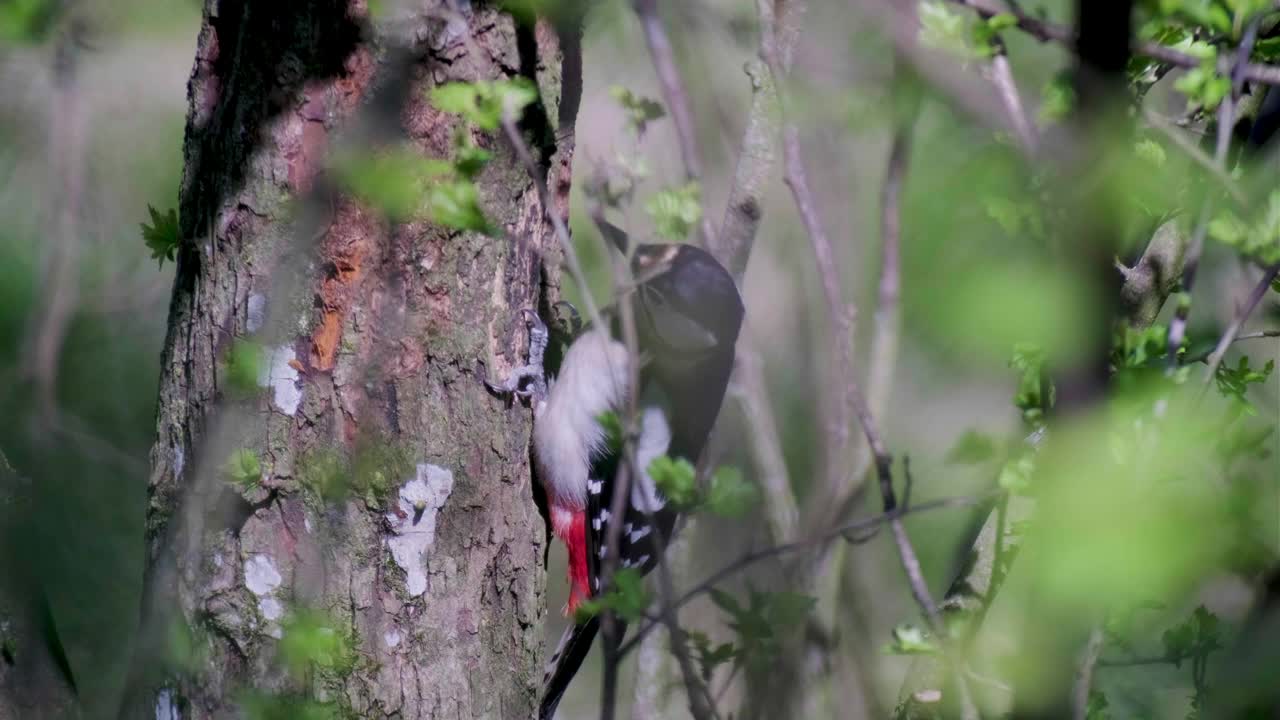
910 640
726 602
1057 98
27 21
640 110
611 424
246 363
730 495
457 205
163 235
394 181
1002 21
471 160
1233 383
626 596
312 639
1097 707
676 480
1151 152
1198 635
676 211
484 104
244 469
1035 394
763 621
709 656
258 705
972 448
1015 476
943 28
787 608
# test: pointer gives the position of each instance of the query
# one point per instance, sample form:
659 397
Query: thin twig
752 394
1084 675
675 97
1226 123
1193 151
858 528
1046 31
911 564
839 316
1255 296
1002 78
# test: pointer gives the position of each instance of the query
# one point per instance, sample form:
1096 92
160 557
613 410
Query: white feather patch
654 440
592 381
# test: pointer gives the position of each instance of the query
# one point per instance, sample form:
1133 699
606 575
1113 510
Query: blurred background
92 106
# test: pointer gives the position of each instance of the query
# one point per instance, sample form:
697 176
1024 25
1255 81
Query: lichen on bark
382 332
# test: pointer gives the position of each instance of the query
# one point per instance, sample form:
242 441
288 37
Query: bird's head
688 305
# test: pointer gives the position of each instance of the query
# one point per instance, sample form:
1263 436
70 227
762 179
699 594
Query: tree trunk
383 557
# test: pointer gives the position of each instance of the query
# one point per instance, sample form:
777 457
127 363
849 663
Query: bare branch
1002 77
675 97
752 394
1228 337
778 36
1194 152
839 315
856 532
1084 675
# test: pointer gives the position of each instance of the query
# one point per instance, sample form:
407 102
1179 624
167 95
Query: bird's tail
565 661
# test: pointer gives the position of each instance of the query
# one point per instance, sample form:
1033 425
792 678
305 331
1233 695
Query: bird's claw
528 382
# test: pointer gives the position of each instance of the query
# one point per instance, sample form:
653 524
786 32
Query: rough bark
395 501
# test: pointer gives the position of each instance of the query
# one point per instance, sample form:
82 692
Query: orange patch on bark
344 249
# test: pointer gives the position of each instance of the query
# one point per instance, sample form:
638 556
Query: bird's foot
528 381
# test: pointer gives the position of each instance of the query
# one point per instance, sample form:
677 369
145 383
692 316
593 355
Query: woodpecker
688 315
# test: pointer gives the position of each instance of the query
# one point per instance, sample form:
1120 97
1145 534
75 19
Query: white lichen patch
179 461
262 579
257 312
414 525
391 637
260 575
271 608
281 376
166 708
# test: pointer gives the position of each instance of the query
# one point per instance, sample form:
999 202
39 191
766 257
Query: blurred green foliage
675 211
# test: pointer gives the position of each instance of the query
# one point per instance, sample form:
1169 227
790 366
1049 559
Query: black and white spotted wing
647 521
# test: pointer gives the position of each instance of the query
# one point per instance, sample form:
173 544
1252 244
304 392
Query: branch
675 97
1084 675
1046 31
752 394
778 34
1228 337
1226 123
1002 77
839 316
1193 151
841 329
856 532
